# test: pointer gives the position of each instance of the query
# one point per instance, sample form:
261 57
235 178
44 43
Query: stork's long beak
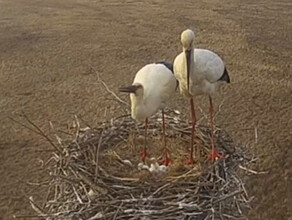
188 60
129 89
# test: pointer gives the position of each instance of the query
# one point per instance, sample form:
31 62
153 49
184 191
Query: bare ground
47 49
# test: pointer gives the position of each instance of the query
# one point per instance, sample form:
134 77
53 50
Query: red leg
214 154
191 160
144 153
166 161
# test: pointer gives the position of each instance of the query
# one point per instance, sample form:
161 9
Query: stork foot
191 162
214 155
166 161
143 155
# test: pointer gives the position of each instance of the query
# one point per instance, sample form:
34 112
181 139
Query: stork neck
138 107
137 99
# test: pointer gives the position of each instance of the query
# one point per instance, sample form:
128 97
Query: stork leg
191 160
214 154
144 153
166 161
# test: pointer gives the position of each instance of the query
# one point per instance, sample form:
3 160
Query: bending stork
153 86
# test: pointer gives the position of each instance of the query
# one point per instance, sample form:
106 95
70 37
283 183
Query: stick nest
97 175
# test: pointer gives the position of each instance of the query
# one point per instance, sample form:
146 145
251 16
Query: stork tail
225 77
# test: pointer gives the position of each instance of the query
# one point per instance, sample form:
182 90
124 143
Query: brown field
47 49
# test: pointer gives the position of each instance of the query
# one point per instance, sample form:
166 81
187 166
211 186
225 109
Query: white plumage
205 71
152 87
158 85
199 72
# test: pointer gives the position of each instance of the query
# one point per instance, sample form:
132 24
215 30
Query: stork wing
209 65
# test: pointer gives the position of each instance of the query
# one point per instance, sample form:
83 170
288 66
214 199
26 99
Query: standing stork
152 87
199 72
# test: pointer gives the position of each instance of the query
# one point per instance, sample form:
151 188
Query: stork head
187 39
136 89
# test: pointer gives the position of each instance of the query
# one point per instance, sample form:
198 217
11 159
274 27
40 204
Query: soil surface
52 52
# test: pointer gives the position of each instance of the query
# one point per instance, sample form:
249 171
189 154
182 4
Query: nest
98 174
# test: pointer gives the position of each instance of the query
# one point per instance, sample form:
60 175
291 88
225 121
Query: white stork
153 86
199 72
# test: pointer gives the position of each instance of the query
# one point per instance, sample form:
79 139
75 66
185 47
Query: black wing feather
225 77
169 66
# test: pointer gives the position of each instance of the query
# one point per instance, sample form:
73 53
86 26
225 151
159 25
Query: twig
77 127
37 131
204 116
219 108
118 209
253 171
29 217
35 207
228 196
256 135
97 154
107 88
